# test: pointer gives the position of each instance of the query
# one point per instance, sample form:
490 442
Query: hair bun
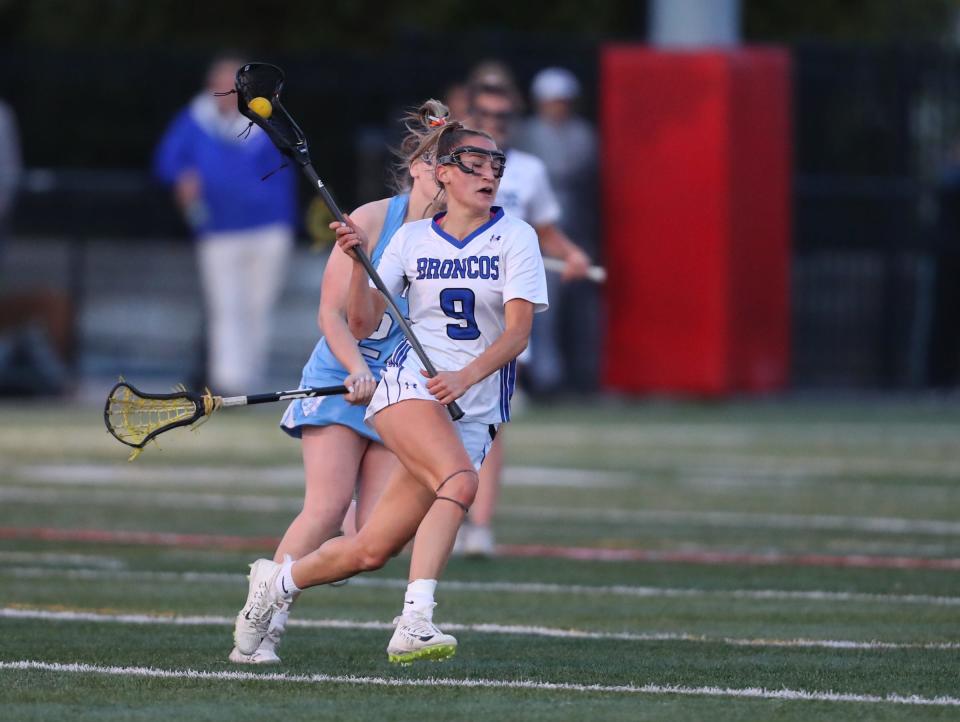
433 114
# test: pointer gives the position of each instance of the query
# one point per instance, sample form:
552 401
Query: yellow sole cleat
434 654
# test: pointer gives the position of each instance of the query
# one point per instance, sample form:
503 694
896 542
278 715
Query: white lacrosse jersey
456 292
525 190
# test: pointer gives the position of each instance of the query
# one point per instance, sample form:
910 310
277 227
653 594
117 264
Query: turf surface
855 483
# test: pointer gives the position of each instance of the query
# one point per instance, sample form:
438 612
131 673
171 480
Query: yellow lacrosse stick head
135 417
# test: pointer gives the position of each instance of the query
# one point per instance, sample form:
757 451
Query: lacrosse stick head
263 80
135 417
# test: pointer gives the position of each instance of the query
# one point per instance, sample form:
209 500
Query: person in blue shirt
243 225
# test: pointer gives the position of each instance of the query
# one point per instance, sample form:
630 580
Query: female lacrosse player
340 452
474 278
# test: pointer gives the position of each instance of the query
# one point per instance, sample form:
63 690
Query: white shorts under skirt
402 384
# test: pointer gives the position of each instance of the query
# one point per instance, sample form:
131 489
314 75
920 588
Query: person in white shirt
473 277
524 192
567 145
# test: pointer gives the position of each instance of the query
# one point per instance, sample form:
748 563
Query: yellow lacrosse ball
261 106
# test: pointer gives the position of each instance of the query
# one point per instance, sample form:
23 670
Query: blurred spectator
526 193
493 73
567 145
457 99
243 224
35 325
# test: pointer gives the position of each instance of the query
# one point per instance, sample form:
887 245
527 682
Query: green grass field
780 561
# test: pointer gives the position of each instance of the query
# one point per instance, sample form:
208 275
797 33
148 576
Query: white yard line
741 520
835 436
142 475
155 499
719 481
659 517
699 450
502 629
284 476
504 587
449 682
703 463
59 559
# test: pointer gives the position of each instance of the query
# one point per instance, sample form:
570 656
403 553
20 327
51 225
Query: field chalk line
650 689
600 554
660 517
504 629
813 595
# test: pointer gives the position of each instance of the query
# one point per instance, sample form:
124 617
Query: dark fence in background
104 110
876 239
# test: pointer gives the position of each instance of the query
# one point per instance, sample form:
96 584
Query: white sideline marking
720 519
165 499
506 629
55 559
653 689
284 476
734 433
505 587
810 466
740 520
716 480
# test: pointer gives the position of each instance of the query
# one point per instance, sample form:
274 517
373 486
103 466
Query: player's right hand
576 266
360 387
349 236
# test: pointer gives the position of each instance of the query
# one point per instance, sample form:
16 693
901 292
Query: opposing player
474 278
526 193
340 452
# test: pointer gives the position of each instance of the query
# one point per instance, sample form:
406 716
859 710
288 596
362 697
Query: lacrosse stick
135 417
597 274
258 99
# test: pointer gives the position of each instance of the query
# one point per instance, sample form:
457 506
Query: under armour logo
409 385
494 238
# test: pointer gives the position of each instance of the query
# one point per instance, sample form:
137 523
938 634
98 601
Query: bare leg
434 540
349 526
377 466
484 506
332 456
393 521
375 470
428 462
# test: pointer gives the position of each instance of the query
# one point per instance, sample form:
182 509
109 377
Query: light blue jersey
323 368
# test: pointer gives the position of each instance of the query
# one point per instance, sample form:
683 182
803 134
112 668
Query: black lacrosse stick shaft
294 394
455 411
264 80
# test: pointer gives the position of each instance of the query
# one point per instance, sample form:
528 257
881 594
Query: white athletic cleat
416 637
263 655
263 601
266 653
478 541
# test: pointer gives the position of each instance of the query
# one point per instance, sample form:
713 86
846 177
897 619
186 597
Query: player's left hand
360 388
576 265
447 386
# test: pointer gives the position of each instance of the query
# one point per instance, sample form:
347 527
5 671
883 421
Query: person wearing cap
243 227
524 192
567 341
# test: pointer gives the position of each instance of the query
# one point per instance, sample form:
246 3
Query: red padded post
696 183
